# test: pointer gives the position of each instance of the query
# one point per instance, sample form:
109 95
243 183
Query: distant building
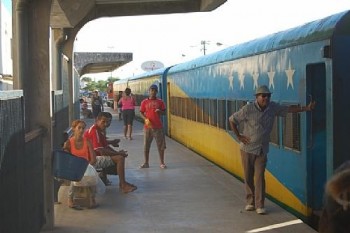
6 65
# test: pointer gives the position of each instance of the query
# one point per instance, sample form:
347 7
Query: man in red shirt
106 156
151 109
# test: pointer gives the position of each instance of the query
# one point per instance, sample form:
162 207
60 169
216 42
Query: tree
100 85
112 80
86 79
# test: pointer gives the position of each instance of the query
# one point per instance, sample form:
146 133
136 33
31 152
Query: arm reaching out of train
307 108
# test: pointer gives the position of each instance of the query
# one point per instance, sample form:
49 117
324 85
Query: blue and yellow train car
309 62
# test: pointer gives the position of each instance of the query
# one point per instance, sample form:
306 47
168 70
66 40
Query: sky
176 38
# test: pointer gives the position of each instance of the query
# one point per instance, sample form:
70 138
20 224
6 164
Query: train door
316 133
169 109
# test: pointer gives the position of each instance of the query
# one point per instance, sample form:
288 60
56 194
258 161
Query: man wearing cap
257 119
151 109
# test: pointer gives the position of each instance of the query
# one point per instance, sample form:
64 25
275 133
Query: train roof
150 73
313 31
120 81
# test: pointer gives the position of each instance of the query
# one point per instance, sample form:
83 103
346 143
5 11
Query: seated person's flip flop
76 207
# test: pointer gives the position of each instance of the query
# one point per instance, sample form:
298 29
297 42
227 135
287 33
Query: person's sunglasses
266 95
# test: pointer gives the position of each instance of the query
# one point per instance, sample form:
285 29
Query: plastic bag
89 178
100 187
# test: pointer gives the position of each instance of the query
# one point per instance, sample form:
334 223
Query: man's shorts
158 134
103 162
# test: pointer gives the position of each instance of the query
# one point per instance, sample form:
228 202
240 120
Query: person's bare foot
70 203
127 188
127 183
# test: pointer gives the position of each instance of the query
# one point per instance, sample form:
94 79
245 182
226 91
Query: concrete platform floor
192 195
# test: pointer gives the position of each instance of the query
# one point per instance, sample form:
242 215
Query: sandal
163 166
106 181
77 207
72 205
145 165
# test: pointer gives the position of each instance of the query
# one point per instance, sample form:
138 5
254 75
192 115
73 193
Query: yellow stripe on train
218 146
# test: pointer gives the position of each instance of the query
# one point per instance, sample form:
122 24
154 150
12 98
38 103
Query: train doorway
317 134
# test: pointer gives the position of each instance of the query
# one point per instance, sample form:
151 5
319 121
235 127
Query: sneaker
249 208
260 211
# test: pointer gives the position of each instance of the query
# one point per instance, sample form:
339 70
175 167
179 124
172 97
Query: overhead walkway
192 195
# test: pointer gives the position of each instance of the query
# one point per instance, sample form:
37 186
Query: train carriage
309 62
140 84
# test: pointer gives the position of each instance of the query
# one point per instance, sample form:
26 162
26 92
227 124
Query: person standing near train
128 103
151 109
257 120
119 105
96 104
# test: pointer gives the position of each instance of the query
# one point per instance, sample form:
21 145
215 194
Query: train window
291 131
188 110
199 110
213 108
206 109
183 106
174 106
231 108
274 136
139 98
171 106
239 105
222 114
192 109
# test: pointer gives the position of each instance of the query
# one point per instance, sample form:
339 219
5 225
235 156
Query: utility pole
204 48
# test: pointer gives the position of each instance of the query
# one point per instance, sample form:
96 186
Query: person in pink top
151 109
128 103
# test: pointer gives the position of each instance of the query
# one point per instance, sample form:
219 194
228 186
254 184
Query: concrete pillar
68 54
34 79
58 37
20 43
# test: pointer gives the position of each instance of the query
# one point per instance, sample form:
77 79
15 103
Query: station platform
191 195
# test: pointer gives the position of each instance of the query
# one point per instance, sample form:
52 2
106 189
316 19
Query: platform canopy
100 62
68 14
